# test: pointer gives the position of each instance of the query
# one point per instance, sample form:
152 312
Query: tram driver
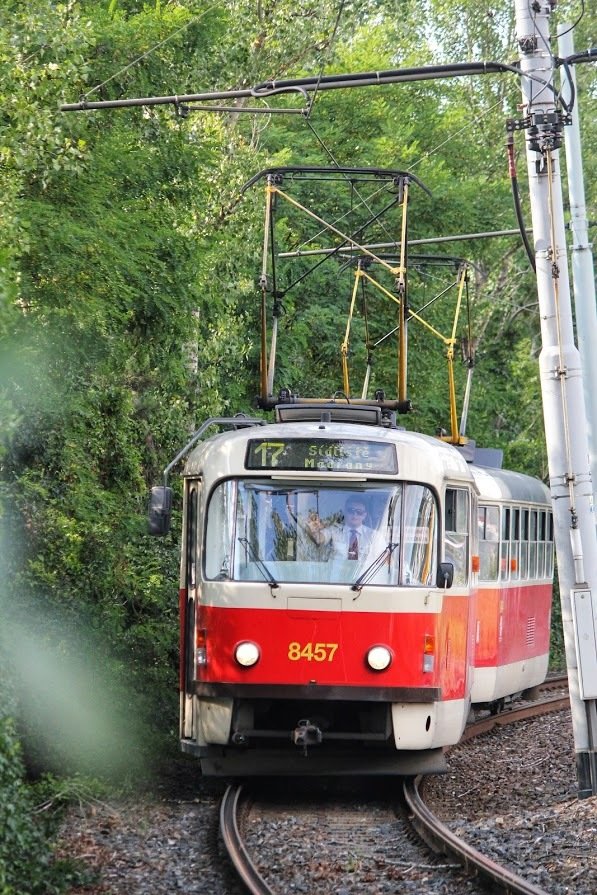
350 539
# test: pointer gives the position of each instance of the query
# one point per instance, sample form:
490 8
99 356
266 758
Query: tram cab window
457 532
260 531
489 543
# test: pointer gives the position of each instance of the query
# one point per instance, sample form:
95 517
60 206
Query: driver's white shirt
338 537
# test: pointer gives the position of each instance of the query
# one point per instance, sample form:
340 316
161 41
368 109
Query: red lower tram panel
317 648
512 640
303 691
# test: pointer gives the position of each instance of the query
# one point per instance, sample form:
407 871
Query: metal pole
561 386
583 273
430 240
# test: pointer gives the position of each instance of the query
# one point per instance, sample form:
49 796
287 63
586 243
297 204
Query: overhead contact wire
331 44
150 51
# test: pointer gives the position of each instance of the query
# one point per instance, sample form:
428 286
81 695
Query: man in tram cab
352 539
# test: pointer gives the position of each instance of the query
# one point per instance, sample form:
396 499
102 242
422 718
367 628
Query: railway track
235 846
376 837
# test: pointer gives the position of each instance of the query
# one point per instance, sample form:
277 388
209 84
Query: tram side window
524 544
541 532
549 548
545 557
419 556
220 531
533 544
489 543
192 538
505 545
456 520
515 544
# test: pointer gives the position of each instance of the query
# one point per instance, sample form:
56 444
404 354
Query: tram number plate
311 652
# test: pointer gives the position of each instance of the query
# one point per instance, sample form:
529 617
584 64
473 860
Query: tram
349 588
298 658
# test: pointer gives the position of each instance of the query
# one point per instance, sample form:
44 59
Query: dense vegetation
128 308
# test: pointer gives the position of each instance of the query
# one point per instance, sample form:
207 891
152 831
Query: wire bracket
544 129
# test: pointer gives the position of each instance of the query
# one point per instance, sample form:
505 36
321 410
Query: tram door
456 531
460 543
189 595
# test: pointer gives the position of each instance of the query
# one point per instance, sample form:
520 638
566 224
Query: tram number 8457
312 652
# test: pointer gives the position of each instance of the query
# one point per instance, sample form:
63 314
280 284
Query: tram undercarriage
253 737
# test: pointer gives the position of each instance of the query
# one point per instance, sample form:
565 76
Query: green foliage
29 819
557 651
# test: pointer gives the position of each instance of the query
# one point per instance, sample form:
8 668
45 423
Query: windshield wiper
260 564
377 563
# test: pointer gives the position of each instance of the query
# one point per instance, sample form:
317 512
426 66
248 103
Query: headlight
246 653
379 658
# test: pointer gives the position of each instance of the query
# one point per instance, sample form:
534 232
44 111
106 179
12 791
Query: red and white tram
298 657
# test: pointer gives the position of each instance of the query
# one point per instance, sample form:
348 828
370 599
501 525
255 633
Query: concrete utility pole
583 273
561 385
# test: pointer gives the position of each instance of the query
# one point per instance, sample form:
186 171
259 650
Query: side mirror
445 575
160 510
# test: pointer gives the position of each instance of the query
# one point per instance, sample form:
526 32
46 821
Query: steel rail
440 837
513 713
511 716
234 844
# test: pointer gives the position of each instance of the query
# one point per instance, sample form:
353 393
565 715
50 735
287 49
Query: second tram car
348 589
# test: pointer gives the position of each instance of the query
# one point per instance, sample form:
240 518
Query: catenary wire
150 51
578 20
329 51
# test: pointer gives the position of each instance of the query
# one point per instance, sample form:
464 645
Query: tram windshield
258 531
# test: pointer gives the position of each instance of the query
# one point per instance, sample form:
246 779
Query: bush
26 865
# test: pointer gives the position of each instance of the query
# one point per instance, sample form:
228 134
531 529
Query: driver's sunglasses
356 511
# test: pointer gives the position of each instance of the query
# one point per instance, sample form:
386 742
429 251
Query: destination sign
322 455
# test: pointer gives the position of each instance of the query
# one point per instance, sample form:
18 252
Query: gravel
161 842
511 793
